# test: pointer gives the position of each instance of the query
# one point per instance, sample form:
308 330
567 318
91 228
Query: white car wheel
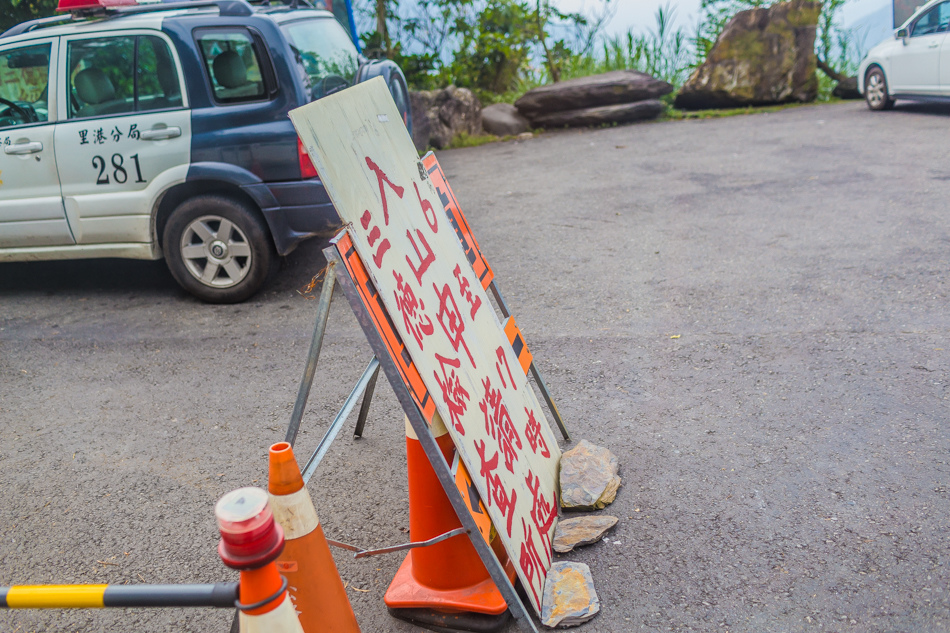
875 89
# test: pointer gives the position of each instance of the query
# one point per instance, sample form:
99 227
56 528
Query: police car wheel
218 249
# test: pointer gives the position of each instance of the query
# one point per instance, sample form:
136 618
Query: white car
914 65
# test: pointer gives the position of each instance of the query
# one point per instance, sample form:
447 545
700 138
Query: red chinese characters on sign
466 292
384 179
498 424
431 219
502 358
543 512
497 495
374 237
532 433
424 262
412 310
453 393
530 562
450 319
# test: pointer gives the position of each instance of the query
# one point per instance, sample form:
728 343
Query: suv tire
218 249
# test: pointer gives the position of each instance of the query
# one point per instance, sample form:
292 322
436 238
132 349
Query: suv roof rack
289 4
229 8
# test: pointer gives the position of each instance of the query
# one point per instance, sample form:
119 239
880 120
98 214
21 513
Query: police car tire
259 262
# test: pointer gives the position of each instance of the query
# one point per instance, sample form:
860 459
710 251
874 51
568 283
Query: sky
639 14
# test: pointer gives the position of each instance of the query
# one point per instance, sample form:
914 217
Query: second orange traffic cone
444 586
315 585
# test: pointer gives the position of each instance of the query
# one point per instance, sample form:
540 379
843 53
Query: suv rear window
325 52
233 66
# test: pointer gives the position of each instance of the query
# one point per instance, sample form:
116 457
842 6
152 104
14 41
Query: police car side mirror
901 35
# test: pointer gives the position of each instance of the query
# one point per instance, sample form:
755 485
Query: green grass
672 114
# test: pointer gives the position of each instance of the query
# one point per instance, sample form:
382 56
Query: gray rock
847 88
502 119
763 56
569 597
571 533
619 86
438 116
589 479
622 113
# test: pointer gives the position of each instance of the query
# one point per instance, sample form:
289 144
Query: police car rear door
31 205
126 133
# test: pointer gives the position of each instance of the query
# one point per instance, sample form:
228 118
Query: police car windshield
325 54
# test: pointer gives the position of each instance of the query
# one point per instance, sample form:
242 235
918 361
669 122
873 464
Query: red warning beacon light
92 6
250 538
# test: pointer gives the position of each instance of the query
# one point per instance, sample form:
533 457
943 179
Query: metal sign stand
385 358
365 386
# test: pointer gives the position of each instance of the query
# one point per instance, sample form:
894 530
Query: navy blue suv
161 130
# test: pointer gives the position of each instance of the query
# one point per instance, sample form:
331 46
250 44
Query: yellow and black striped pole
222 596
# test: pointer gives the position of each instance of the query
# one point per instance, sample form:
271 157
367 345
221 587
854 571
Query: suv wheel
218 249
875 90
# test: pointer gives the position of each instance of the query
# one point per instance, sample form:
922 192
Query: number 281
119 173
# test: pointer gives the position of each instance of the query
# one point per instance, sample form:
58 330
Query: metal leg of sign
370 373
316 342
547 398
431 448
534 370
367 399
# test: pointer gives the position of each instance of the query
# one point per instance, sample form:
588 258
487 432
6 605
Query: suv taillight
307 170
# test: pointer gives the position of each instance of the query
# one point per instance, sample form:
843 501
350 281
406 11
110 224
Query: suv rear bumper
295 211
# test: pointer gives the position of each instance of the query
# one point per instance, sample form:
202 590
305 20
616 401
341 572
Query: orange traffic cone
251 542
443 586
315 585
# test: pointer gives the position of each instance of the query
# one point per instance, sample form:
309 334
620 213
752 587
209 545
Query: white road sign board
372 172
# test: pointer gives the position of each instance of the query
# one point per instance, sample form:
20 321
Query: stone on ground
438 116
571 533
619 86
502 119
589 479
569 598
764 56
622 113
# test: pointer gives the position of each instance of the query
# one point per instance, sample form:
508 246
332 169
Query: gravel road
751 312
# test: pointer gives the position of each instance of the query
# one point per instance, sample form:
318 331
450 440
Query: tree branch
828 70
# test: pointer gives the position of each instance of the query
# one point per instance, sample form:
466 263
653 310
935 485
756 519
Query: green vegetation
18 11
502 48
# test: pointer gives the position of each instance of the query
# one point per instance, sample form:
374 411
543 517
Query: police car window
233 66
24 85
326 53
120 75
157 80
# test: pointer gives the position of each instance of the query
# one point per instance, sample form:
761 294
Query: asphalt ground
751 312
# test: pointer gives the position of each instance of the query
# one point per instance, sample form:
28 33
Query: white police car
162 130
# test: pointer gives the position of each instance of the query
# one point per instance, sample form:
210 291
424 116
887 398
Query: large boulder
764 56
438 116
619 86
620 113
503 119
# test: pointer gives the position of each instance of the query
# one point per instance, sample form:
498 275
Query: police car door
126 137
31 206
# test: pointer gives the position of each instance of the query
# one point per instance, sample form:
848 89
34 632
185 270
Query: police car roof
150 16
